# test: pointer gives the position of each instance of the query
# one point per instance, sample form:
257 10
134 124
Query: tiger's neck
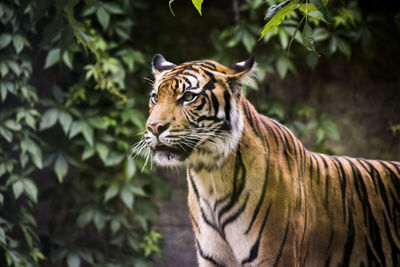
262 141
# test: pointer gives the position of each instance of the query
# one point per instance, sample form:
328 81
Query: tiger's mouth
170 156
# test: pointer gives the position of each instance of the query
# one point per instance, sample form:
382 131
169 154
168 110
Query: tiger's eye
154 98
189 97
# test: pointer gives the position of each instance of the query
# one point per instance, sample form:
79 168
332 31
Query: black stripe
393 246
208 118
215 103
209 64
342 186
285 150
196 192
194 221
265 123
264 188
209 85
227 98
394 178
381 187
235 215
203 102
238 185
282 244
261 199
326 180
370 172
208 257
348 247
311 169
254 249
328 248
250 119
219 201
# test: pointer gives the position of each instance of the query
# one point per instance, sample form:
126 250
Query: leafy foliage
65 145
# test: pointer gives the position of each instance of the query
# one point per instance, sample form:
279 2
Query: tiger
256 195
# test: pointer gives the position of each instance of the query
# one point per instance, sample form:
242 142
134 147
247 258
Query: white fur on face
222 145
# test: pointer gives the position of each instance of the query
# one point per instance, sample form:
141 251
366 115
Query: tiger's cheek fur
216 150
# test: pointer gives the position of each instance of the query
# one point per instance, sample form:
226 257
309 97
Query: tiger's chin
168 159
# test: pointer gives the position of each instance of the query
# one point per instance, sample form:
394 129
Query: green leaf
113 8
321 34
14 67
73 260
84 128
307 7
137 190
18 188
332 46
34 150
86 255
197 4
12 124
2 169
278 17
87 152
274 9
68 59
49 119
60 167
344 47
319 135
5 40
103 17
97 122
3 69
2 235
114 158
30 189
126 197
102 150
322 8
170 6
111 192
88 10
4 92
18 43
249 41
65 120
53 56
115 226
87 132
85 217
283 38
99 220
7 134
130 168
308 38
282 67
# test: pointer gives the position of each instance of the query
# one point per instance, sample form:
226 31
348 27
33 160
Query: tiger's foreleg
211 246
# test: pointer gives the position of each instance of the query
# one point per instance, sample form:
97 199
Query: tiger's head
194 112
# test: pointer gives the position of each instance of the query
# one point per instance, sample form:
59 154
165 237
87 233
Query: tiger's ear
159 64
243 68
242 74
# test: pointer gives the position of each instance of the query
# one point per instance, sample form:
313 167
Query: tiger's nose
157 127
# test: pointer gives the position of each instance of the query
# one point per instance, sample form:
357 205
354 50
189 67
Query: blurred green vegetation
74 99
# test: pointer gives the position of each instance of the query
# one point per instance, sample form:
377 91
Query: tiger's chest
219 209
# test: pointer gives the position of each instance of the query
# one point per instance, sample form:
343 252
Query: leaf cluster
64 143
